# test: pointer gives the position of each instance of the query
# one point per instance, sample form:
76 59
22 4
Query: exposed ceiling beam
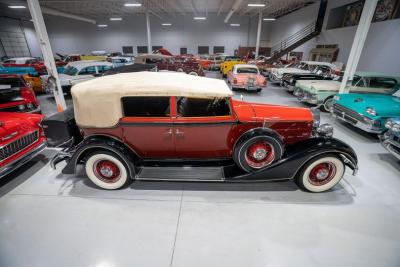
195 11
220 7
155 3
235 7
55 12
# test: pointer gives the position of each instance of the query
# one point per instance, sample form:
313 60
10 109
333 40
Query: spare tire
257 152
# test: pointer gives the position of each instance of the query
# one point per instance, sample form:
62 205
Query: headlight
317 117
336 98
371 111
396 128
21 107
325 130
29 105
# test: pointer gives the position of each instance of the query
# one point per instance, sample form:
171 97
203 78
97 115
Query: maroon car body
21 138
16 95
181 64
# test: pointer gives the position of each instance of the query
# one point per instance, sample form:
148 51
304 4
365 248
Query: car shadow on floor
258 192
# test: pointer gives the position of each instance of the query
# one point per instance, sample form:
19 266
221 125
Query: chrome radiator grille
347 113
18 145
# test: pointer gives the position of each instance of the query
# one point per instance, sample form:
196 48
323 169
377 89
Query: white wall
71 36
381 49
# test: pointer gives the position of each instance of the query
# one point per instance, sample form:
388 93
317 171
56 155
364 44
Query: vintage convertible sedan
391 139
178 127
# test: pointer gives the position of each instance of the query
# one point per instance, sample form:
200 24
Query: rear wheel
257 152
193 73
106 170
320 174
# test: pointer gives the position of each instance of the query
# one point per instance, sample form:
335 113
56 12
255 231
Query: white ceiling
96 9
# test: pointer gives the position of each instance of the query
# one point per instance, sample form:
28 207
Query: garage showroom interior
199 133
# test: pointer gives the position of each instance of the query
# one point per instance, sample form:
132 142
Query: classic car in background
120 61
79 57
391 139
79 71
16 95
180 64
131 68
163 122
216 61
204 61
37 64
321 92
368 112
247 77
29 74
150 58
21 138
319 73
228 64
298 68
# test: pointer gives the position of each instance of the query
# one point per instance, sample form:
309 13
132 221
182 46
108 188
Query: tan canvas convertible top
97 103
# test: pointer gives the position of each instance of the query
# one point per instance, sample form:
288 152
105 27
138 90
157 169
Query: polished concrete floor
51 219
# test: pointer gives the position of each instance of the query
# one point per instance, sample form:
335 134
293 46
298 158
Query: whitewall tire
193 73
321 174
106 170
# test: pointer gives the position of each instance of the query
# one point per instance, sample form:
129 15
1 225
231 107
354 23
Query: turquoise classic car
368 112
18 70
391 139
321 92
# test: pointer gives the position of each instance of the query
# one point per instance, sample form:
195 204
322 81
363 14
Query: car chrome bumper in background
307 97
354 119
248 88
22 160
390 144
273 78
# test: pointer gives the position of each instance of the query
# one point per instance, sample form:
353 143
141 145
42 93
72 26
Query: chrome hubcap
259 154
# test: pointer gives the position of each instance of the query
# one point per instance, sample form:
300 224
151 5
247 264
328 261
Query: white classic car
299 68
79 71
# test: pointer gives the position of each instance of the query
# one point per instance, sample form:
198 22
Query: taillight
265 82
235 81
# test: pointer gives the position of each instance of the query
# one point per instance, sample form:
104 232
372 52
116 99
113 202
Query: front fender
294 158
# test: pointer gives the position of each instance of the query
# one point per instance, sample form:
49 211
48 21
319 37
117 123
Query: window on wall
142 49
183 51
219 49
127 49
203 50
156 47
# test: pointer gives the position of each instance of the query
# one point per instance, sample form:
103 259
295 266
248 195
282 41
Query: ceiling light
199 18
16 7
166 24
133 4
115 19
269 19
256 5
235 24
102 25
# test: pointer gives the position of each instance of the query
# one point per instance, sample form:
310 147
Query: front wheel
328 104
320 174
106 170
257 152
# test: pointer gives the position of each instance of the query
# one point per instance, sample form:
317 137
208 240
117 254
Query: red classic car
38 65
16 95
181 64
21 138
172 126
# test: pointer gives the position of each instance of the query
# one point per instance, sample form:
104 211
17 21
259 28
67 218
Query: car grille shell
18 145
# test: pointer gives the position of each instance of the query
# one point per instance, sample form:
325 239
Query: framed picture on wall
353 14
385 9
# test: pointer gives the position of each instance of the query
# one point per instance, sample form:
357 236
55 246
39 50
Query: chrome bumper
357 123
273 78
22 160
307 97
390 145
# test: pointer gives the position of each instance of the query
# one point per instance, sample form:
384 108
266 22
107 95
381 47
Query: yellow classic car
228 64
34 82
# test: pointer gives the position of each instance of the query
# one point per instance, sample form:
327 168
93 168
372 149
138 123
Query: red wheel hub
107 171
322 173
260 154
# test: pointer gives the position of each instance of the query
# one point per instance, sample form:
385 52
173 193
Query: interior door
147 126
202 128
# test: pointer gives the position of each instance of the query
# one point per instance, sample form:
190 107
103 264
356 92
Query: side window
202 107
88 71
31 61
358 81
104 68
381 82
146 106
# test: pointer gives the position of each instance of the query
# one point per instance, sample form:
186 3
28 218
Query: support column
358 44
149 50
41 32
258 33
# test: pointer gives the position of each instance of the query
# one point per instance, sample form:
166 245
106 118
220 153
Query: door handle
178 132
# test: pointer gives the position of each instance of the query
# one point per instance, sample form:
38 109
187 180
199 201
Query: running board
181 173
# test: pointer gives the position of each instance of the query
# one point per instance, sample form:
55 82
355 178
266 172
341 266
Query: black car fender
103 142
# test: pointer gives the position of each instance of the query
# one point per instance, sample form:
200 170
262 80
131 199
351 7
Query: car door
202 128
147 126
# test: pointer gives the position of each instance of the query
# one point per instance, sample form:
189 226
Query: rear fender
97 142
